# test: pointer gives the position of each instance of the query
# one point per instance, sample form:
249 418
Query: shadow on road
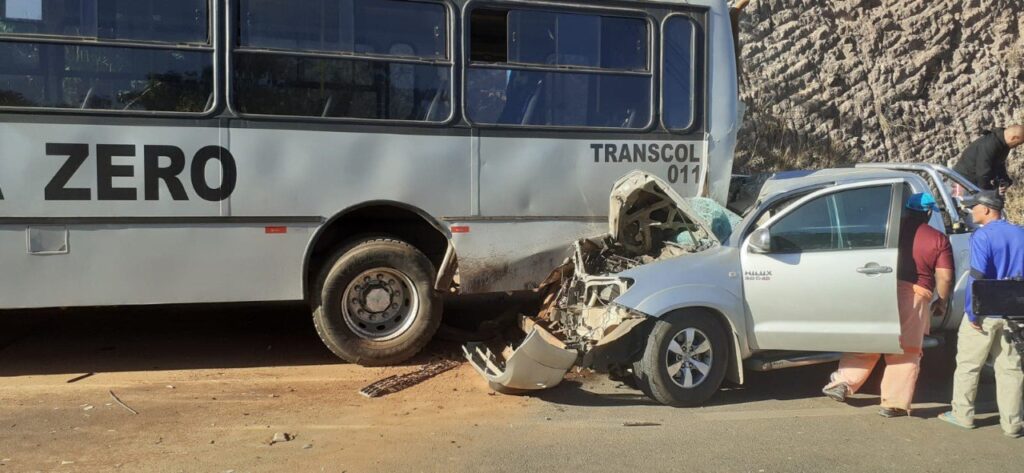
157 338
934 386
98 340
572 393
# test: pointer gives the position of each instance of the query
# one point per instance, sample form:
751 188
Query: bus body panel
320 173
40 177
115 264
723 110
518 195
516 256
560 177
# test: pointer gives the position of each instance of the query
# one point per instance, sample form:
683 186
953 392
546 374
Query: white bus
365 156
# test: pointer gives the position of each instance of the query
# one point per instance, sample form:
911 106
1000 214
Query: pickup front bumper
539 362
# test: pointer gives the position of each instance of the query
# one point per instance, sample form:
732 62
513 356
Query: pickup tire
375 304
685 359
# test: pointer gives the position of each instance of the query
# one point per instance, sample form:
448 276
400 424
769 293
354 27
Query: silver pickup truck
683 293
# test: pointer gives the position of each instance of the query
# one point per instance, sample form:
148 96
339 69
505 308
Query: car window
777 209
852 219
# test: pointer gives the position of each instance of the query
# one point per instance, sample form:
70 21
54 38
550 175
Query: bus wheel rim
380 304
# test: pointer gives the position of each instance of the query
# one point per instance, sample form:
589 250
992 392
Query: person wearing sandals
925 266
997 252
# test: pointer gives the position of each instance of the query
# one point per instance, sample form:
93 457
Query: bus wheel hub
378 300
379 304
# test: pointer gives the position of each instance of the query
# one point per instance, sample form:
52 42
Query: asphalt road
213 385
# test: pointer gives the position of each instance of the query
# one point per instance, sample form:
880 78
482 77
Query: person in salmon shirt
925 267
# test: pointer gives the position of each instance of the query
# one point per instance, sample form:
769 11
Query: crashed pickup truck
682 293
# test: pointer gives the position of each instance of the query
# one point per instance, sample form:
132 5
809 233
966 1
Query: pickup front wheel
685 360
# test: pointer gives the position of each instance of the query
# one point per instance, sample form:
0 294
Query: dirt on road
214 386
212 393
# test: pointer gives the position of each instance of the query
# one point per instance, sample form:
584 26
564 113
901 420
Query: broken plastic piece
539 362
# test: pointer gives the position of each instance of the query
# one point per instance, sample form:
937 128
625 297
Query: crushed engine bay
648 222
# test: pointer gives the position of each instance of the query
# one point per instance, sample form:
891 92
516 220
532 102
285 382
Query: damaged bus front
579 323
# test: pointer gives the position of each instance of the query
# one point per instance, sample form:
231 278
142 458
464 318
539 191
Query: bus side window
178 21
679 87
356 59
168 68
401 83
547 68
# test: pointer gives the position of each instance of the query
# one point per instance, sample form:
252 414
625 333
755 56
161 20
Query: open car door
820 275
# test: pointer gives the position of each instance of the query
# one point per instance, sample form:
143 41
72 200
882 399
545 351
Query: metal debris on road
281 437
399 382
79 378
641 424
122 404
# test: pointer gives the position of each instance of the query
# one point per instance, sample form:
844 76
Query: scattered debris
79 378
281 437
122 404
170 386
87 407
399 382
307 446
67 462
641 424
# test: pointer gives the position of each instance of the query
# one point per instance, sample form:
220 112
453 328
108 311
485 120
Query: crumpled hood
639 192
627 192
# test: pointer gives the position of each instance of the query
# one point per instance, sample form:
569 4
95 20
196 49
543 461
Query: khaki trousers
901 370
972 351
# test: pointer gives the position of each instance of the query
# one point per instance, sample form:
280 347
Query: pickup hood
643 208
654 288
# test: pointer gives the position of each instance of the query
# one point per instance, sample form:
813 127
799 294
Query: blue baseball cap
922 202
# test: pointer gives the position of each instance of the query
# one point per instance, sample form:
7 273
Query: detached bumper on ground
539 362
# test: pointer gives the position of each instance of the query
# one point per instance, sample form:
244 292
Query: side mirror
761 241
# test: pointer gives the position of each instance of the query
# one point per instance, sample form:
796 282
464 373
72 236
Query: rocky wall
834 82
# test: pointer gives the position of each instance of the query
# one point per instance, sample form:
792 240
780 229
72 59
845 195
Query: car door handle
874 268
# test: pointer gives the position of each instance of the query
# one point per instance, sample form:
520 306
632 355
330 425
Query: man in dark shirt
925 266
984 160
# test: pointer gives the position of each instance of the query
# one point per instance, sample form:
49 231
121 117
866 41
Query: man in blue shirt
997 252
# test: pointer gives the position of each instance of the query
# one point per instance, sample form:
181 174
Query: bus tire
375 303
